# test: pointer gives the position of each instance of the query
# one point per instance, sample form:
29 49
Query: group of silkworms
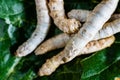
95 33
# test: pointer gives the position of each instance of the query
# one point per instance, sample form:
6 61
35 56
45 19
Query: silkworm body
81 15
57 12
43 24
97 18
61 40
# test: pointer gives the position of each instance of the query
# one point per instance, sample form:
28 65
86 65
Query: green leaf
99 62
7 60
9 7
109 74
18 75
11 10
